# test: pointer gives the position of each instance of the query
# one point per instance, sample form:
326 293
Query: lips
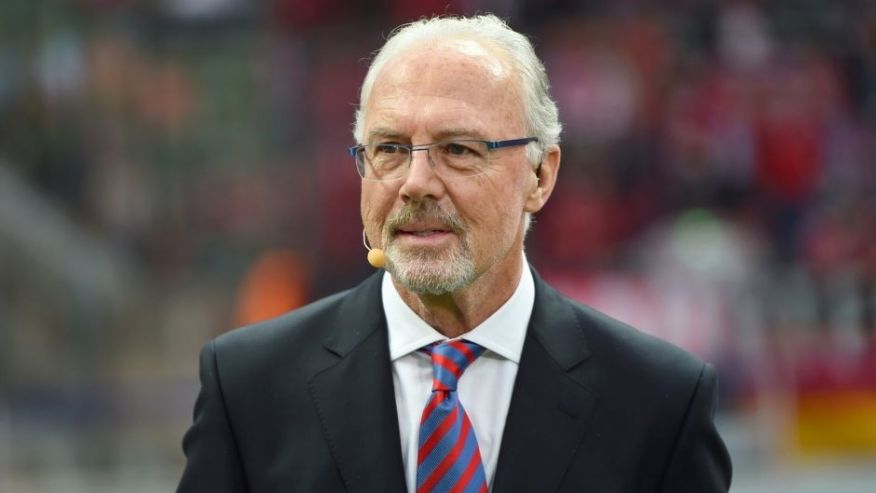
422 231
418 234
423 223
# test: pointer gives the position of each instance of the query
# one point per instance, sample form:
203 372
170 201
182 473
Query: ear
544 177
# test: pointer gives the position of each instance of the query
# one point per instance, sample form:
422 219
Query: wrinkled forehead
448 75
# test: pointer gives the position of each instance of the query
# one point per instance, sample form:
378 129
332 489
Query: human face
441 235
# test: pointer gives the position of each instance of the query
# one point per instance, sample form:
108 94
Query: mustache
423 212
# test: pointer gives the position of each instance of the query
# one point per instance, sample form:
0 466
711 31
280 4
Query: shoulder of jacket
611 338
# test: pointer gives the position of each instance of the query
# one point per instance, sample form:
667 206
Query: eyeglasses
449 158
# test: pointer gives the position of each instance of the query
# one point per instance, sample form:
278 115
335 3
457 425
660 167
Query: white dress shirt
485 387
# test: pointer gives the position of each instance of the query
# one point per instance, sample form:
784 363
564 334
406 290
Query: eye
458 149
387 148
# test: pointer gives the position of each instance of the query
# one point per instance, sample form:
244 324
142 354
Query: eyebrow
458 132
385 133
450 133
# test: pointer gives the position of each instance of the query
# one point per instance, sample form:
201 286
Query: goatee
425 270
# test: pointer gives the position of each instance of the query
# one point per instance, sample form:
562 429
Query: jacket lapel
551 403
354 396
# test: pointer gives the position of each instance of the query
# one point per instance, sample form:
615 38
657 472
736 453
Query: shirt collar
502 332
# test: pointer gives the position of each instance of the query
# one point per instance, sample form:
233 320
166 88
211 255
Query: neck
454 314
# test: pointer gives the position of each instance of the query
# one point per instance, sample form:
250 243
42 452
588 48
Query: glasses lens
460 157
361 165
383 161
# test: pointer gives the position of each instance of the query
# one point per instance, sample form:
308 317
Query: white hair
540 111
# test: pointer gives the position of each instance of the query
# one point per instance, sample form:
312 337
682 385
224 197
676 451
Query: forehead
455 84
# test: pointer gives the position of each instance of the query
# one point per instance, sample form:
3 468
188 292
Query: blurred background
172 169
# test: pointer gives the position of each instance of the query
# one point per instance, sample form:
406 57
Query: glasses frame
491 146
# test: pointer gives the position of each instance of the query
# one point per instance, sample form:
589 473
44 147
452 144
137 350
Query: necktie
449 459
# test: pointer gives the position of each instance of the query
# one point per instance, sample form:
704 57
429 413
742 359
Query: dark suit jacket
305 403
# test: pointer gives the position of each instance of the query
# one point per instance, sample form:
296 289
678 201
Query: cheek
375 204
495 207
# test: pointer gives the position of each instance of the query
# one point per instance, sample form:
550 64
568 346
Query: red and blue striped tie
449 459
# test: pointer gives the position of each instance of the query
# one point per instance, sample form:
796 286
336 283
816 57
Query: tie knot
449 360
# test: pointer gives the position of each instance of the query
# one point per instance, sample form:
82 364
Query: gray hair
540 111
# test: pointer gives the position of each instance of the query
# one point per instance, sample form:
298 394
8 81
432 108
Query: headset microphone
376 257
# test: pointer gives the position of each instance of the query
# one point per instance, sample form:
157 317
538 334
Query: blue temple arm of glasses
510 143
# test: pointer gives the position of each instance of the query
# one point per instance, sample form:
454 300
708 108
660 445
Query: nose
422 181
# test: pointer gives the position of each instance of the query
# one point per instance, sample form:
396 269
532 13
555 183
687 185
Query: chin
426 273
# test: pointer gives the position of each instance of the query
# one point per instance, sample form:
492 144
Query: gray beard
425 271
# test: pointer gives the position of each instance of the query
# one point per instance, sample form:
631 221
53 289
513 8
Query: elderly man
458 369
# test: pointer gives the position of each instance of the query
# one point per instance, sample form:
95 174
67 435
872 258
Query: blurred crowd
172 169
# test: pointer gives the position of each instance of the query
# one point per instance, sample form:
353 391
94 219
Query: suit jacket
305 403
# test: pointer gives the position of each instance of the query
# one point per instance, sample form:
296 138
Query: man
460 370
